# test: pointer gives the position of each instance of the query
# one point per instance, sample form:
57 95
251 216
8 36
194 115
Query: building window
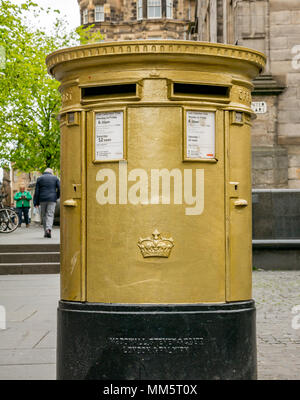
169 9
139 9
154 9
85 16
99 13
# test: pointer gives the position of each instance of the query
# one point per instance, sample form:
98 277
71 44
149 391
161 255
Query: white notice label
200 134
109 140
259 107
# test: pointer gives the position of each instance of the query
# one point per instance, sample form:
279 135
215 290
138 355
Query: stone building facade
270 26
273 27
13 179
139 19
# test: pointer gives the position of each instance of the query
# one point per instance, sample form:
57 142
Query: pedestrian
47 192
22 199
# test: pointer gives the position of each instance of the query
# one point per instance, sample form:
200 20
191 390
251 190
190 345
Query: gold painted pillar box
156 211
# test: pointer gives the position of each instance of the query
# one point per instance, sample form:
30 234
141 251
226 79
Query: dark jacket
47 189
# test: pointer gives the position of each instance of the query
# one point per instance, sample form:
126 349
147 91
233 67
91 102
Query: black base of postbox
149 342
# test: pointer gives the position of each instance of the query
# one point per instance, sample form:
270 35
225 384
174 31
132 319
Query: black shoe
48 233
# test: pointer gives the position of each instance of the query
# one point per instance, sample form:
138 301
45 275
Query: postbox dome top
252 61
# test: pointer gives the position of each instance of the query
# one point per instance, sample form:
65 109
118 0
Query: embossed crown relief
157 246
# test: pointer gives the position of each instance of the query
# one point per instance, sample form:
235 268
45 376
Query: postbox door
71 217
239 283
124 208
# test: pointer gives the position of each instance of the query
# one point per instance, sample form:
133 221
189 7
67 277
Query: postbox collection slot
200 90
124 90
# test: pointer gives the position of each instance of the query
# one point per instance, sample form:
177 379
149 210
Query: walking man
47 191
23 205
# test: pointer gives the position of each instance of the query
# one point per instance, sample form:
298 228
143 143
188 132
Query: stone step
29 268
29 259
29 248
35 257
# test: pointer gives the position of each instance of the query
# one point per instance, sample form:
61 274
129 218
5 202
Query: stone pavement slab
276 293
28 372
27 357
28 345
32 235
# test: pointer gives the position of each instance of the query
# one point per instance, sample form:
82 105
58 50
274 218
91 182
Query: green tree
29 97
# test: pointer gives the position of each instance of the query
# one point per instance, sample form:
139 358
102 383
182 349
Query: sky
67 8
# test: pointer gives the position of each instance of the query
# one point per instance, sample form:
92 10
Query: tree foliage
29 97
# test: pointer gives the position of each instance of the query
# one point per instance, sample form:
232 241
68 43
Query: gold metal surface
156 188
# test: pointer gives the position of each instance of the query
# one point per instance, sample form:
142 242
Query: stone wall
13 179
285 66
276 214
273 27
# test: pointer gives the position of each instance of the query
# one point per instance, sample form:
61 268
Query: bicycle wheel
9 220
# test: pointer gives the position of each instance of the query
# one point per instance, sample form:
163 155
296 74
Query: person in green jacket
23 205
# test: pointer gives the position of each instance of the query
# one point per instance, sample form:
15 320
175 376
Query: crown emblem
157 246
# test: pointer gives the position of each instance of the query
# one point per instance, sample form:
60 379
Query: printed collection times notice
109 136
200 135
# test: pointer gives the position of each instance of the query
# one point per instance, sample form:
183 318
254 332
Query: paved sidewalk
27 346
276 293
32 235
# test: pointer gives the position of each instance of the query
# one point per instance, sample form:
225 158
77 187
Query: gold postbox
156 176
